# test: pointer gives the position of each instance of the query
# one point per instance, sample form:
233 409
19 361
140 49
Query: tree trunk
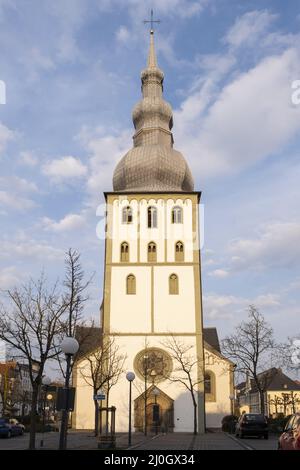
195 419
96 418
262 401
33 415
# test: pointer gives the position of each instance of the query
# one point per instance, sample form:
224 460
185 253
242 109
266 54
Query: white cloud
28 158
122 34
219 273
69 222
12 193
277 245
10 277
218 306
249 27
250 120
5 136
16 202
104 150
65 168
30 249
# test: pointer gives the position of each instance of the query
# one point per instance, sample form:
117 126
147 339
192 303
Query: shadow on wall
215 416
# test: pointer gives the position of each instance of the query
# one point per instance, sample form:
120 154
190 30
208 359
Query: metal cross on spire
151 21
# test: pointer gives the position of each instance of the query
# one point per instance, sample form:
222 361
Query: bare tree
101 369
186 371
288 354
75 298
29 327
249 347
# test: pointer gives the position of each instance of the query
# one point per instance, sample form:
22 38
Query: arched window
152 217
210 386
124 252
173 285
177 216
152 252
130 285
127 215
179 251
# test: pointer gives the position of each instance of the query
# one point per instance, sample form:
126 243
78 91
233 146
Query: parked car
8 430
15 422
290 438
252 424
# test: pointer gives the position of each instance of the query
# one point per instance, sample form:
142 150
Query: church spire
152 164
152 62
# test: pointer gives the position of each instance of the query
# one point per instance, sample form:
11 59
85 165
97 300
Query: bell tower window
152 217
127 215
177 216
179 252
125 252
152 252
173 285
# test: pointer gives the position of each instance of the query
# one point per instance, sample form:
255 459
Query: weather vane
151 21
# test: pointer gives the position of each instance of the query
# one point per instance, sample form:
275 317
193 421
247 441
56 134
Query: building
152 281
282 394
15 388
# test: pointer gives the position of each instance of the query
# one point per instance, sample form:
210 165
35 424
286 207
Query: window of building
179 251
177 215
125 252
152 217
131 285
152 252
210 386
173 285
127 215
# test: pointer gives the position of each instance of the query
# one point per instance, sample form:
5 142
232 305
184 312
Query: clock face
154 364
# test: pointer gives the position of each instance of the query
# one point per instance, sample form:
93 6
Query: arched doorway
159 414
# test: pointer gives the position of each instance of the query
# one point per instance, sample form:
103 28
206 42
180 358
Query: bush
229 423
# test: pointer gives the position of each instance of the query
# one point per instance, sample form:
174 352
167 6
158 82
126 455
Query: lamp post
231 398
145 377
156 393
69 346
46 381
130 376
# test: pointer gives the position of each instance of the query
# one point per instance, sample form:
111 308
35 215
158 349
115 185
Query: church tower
152 282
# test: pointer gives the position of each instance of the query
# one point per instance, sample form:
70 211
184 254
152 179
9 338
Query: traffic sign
99 397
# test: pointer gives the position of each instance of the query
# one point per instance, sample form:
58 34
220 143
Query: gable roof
89 339
210 336
274 379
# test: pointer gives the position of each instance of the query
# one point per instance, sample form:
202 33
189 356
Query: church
152 301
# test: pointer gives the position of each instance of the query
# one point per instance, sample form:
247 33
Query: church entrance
159 411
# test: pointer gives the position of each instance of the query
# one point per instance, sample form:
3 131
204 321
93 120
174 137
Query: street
84 440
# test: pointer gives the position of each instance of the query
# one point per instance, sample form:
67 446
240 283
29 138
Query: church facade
152 305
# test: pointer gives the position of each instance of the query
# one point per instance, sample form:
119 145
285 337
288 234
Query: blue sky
72 72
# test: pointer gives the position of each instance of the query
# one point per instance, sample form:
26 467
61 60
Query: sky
72 75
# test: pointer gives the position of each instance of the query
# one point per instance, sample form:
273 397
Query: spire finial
152 62
151 21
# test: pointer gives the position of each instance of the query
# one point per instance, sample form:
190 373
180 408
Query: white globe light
46 381
69 346
130 376
156 392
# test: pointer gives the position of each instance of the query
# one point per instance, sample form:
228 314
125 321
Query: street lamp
69 346
156 393
231 398
46 381
145 377
130 376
